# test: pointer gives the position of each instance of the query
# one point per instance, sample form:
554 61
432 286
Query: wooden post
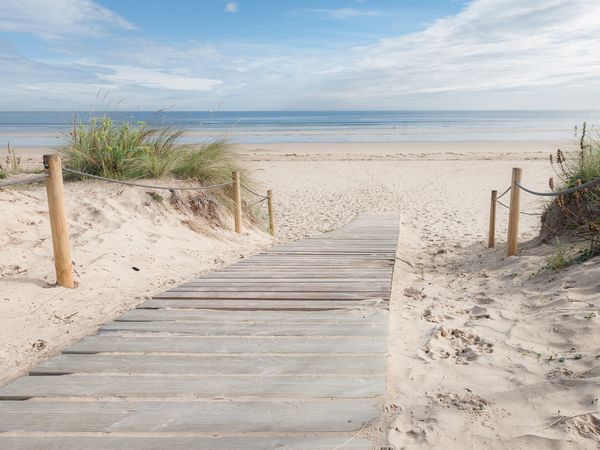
58 221
513 214
270 208
237 199
492 229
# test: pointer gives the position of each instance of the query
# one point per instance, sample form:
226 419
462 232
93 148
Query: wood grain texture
109 442
287 347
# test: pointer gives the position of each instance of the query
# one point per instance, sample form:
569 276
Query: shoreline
486 148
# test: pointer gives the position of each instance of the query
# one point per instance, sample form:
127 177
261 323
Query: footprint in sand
457 343
435 314
586 425
412 428
483 300
560 373
468 402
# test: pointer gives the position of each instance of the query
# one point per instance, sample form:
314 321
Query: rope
252 192
565 192
504 193
24 180
256 203
520 212
147 186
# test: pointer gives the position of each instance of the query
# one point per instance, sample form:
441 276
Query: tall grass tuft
585 166
576 214
213 162
124 151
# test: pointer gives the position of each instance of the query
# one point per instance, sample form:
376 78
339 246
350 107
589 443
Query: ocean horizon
46 128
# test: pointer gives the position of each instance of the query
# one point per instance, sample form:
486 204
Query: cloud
231 7
492 54
57 18
157 79
492 47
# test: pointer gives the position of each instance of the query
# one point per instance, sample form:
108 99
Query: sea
48 128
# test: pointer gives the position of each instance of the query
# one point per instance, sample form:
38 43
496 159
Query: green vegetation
11 164
575 216
585 167
125 151
558 259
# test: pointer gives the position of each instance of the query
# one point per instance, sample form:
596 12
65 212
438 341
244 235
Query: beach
484 351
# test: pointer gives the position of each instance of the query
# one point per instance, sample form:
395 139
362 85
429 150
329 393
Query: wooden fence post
58 221
513 214
492 229
270 208
237 199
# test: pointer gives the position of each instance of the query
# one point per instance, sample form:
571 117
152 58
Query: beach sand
484 352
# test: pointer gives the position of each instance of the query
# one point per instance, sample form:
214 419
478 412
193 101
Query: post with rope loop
237 200
58 221
492 228
512 248
271 216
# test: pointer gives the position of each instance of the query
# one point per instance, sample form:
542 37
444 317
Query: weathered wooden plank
267 287
228 345
309 270
274 281
274 290
205 365
262 305
246 442
271 295
194 386
145 315
188 416
309 329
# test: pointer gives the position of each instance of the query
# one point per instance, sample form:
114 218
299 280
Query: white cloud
493 54
157 79
231 7
56 18
496 47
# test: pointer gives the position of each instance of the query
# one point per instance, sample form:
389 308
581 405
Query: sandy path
483 354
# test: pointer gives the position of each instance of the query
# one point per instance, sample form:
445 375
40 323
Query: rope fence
147 186
23 180
515 189
247 189
53 176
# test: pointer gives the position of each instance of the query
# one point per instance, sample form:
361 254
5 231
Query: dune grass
575 216
125 151
585 166
11 165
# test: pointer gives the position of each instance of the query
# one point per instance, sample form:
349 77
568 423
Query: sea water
37 128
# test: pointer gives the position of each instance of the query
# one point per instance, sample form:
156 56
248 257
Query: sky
299 55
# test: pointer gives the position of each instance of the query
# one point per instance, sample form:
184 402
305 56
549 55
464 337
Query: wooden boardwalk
286 349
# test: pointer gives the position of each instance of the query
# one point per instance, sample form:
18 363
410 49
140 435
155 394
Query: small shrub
558 259
212 162
162 155
124 151
576 214
12 163
155 196
106 149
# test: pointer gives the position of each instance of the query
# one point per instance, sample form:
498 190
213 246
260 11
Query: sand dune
125 246
484 352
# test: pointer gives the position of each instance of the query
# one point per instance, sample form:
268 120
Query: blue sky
329 54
